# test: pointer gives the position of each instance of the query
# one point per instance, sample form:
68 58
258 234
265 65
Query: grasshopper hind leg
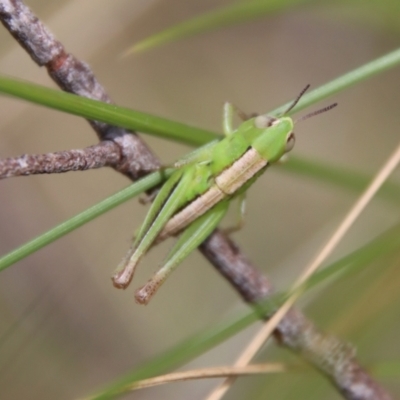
191 238
165 204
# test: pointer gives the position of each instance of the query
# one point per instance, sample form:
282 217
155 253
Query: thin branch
75 76
105 153
294 331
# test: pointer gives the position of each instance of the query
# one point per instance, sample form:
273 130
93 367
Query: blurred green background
64 330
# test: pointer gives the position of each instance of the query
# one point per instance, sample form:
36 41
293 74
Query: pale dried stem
211 372
207 373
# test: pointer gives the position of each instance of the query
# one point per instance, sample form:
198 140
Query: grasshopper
197 195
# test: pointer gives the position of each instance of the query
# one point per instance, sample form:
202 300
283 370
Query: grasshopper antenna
296 100
313 113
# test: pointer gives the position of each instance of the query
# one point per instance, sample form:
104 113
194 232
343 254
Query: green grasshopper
197 195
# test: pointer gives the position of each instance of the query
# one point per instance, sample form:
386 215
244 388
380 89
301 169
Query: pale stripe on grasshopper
226 183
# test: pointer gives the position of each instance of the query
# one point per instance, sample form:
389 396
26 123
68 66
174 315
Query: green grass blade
108 113
239 12
147 123
351 78
82 218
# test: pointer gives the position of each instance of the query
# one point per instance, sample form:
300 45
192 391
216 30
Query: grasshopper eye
290 141
263 121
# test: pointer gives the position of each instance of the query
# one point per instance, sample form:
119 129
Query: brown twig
75 76
295 332
100 155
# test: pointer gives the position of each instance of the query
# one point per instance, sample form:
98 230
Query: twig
105 153
75 76
294 331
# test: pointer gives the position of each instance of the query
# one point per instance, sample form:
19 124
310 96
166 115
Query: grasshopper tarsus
120 281
146 292
124 273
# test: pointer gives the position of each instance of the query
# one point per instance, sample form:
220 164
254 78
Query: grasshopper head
274 135
276 138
